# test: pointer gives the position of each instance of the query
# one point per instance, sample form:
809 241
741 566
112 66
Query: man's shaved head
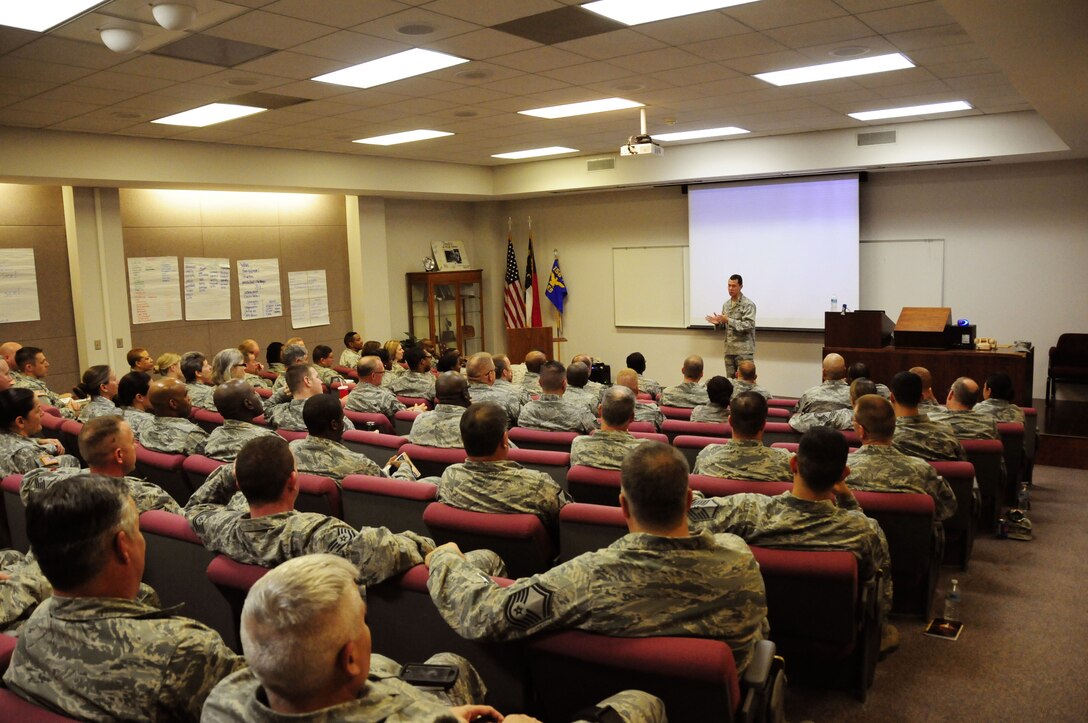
451 388
534 360
169 397
834 367
236 399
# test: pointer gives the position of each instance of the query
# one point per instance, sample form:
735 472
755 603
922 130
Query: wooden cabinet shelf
447 306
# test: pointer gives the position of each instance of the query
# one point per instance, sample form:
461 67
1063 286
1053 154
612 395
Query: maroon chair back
206 420
383 502
988 457
413 401
585 528
292 434
69 437
197 467
271 376
555 464
166 471
7 647
784 402
14 708
521 540
346 372
15 512
263 393
1013 436
778 414
682 413
674 428
780 432
376 445
403 421
720 487
319 494
594 486
360 420
690 445
655 436
233 579
526 438
960 528
642 427
915 544
790 447
432 461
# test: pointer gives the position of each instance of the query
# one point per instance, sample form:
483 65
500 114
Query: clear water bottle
952 602
834 303
1023 500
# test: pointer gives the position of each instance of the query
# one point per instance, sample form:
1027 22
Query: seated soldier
29 372
94 651
645 410
608 447
928 403
591 386
880 467
441 427
370 394
838 418
719 390
637 362
324 363
504 379
689 393
915 433
197 371
284 411
20 419
859 370
483 387
352 344
534 362
293 353
577 378
240 405
745 380
139 360
997 396
489 482
959 412
22 588
552 412
97 388
744 456
132 399
659 579
832 393
417 381
171 431
250 350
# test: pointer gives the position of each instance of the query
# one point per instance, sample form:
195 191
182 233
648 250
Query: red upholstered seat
594 486
15 512
292 434
642 427
521 540
403 420
207 420
719 487
550 462
197 467
7 647
376 445
432 461
960 528
584 528
676 427
319 494
780 432
655 436
682 413
69 437
233 580
1013 435
14 708
413 401
988 455
165 470
690 445
526 438
784 402
360 419
383 502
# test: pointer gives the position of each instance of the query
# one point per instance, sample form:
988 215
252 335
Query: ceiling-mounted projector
642 145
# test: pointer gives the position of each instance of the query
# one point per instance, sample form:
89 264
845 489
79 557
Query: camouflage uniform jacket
516 389
19 455
502 486
24 381
107 659
710 412
392 374
968 424
918 436
744 459
789 522
531 383
929 406
328 375
440 427
705 586
832 394
882 468
836 419
1000 409
740 330
277 368
586 397
283 413
648 412
604 449
505 398
326 458
98 407
369 398
686 394
649 386
276 538
257 381
25 587
173 435
740 387
349 358
146 495
555 414
136 418
201 395
414 384
227 440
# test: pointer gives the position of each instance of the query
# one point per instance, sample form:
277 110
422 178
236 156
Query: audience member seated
292 354
915 433
253 367
109 448
820 512
352 344
198 380
719 390
227 364
489 482
482 387
273 354
745 380
99 385
5 375
591 386
30 370
7 352
20 418
928 403
139 360
577 378
659 579
860 370
324 363
450 361
997 396
240 405
838 418
607 448
171 431
645 410
395 364
22 588
831 394
959 412
284 411
637 361
880 467
94 651
534 362
168 364
132 399
744 456
370 394
504 379
689 393
417 381
552 412
441 427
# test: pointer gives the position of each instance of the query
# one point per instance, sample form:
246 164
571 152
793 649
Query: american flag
513 306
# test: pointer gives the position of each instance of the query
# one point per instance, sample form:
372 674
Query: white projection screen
794 241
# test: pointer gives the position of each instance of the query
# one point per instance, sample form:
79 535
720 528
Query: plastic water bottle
834 303
1023 499
952 602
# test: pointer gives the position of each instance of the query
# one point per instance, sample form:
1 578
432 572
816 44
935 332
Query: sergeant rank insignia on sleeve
529 606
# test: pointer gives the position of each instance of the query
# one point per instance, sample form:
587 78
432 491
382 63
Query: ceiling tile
934 37
906 17
286 64
443 26
947 54
966 67
158 66
524 84
693 28
470 95
84 55
12 38
89 124
21 68
752 64
821 32
350 48
780 13
89 96
492 12
335 13
58 108
482 44
657 60
539 59
736 46
275 31
13 117
111 80
612 45
586 73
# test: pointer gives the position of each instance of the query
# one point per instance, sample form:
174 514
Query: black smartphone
429 676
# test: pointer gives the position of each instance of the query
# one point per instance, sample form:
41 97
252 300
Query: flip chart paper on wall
259 288
18 286
207 289
154 289
309 298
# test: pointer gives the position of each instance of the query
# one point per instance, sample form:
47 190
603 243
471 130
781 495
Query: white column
368 261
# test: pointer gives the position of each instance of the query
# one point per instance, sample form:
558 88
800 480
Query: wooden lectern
520 342
923 327
857 329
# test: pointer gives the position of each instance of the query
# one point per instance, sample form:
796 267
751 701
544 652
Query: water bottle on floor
952 602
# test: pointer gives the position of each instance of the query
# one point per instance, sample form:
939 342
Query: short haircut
747 370
223 364
482 427
857 370
738 278
834 367
192 362
821 458
451 388
26 355
719 390
693 366
862 386
534 360
552 376
295 621
91 383
134 355
876 415
654 480
263 467
1000 384
14 403
322 351
478 365
320 411
130 385
577 375
907 388
273 354
963 392
636 361
165 361
71 526
414 357
349 337
924 375
748 413
502 363
370 347
97 439
296 375
449 361
617 405
292 354
368 365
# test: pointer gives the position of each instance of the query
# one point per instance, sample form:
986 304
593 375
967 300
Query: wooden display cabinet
447 306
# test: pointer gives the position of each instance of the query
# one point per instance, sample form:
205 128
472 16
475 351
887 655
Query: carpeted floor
1023 653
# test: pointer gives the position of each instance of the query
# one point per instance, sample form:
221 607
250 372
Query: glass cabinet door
472 332
445 315
420 311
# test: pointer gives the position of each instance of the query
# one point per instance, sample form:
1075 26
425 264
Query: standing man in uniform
738 318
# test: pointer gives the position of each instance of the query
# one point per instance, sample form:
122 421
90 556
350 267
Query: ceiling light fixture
174 15
583 108
843 69
398 66
210 114
535 152
705 133
949 107
635 12
121 38
393 139
42 16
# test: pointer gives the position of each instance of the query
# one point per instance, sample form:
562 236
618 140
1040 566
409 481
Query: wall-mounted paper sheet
18 286
207 289
154 289
259 288
309 298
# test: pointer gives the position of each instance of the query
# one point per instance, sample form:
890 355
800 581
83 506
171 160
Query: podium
520 342
924 327
857 329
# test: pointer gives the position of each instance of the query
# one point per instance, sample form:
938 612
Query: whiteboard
649 286
901 273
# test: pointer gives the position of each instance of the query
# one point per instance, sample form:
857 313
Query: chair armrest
759 668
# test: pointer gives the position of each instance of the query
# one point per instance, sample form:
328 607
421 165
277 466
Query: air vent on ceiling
876 138
601 164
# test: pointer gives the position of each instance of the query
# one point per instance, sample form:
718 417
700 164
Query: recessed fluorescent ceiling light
210 114
634 12
705 133
393 139
949 107
40 16
534 152
392 67
583 108
844 69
